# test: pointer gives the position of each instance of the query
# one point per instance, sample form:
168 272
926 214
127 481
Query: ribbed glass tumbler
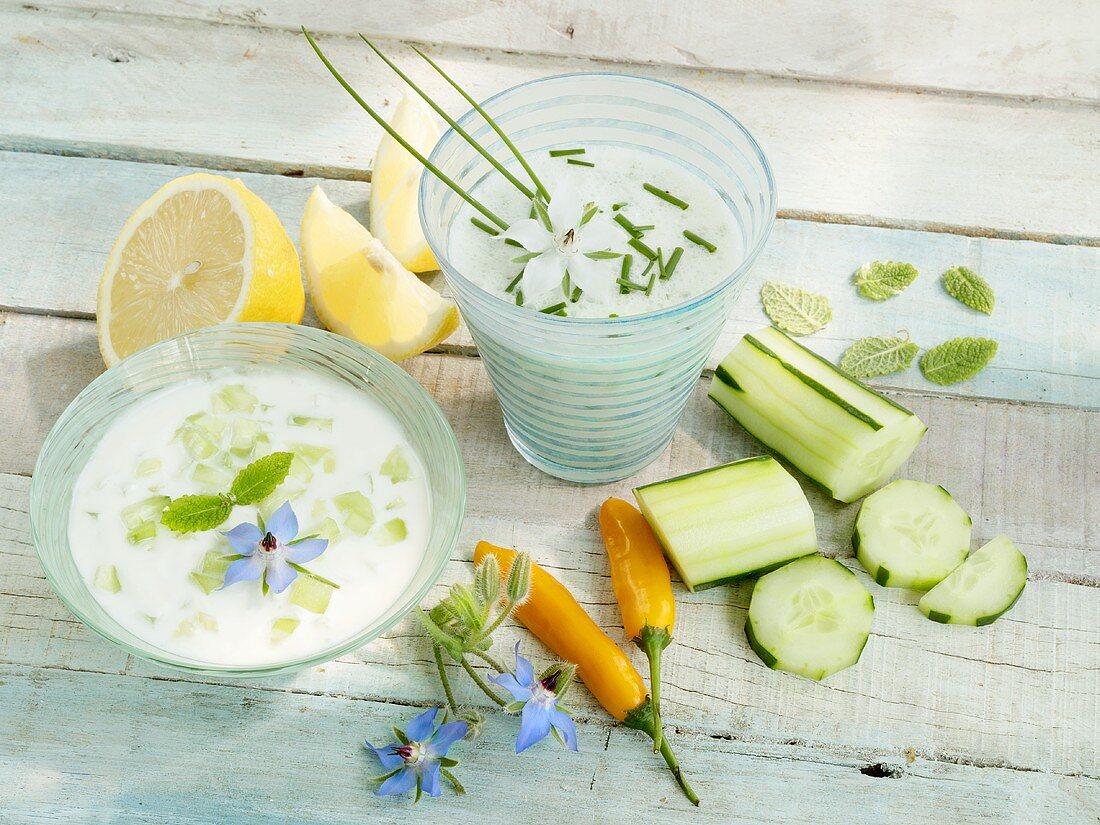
597 399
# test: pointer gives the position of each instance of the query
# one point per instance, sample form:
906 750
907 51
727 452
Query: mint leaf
260 478
795 310
188 514
878 355
880 280
970 288
957 359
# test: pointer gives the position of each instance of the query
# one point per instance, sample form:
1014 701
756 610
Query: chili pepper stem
681 780
652 640
642 718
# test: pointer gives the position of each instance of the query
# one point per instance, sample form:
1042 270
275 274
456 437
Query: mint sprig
193 513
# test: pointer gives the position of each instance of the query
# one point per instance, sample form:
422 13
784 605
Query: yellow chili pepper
560 623
643 588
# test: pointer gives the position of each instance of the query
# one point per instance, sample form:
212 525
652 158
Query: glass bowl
594 400
73 439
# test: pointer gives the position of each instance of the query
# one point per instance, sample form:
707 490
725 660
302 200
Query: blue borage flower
271 553
539 701
419 756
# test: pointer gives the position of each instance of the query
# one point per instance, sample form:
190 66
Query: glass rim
323 341
471 114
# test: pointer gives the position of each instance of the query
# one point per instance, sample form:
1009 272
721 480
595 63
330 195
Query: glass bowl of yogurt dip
376 472
591 388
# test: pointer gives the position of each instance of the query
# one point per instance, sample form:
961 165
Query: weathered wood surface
1002 50
948 693
1046 293
232 97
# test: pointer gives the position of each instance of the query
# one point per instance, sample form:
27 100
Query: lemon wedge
359 289
395 181
202 250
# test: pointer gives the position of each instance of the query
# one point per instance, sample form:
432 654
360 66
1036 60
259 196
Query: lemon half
395 185
202 250
359 289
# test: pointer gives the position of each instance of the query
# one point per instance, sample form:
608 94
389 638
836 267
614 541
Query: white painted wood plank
1046 293
1006 48
974 694
1017 166
151 752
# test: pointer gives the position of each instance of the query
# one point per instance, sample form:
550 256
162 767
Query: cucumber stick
730 521
911 534
980 589
811 617
840 433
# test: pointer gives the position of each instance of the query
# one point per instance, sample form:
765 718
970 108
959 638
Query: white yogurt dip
355 480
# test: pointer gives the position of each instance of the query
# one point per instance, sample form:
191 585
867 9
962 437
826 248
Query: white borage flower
568 235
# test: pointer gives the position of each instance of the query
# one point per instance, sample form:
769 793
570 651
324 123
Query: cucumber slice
396 504
211 425
106 578
843 435
211 476
811 617
310 593
233 398
299 470
210 574
146 531
981 589
326 529
206 622
282 628
198 443
392 532
310 422
246 433
148 509
396 466
730 521
911 534
357 511
148 466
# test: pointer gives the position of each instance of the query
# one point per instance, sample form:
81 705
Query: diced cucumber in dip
911 534
981 589
730 521
811 617
840 433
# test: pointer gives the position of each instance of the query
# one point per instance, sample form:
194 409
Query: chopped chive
519 297
641 247
613 315
525 257
543 215
550 310
648 267
639 228
576 296
496 164
484 227
515 281
488 119
566 287
510 242
561 313
589 213
625 222
703 242
665 195
615 207
603 255
630 285
412 150
576 162
661 262
670 264
652 281
561 153
624 273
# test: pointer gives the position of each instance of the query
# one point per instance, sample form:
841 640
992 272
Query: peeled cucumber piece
981 589
310 593
840 433
911 534
730 521
810 617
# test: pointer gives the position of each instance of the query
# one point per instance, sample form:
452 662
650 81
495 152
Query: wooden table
923 132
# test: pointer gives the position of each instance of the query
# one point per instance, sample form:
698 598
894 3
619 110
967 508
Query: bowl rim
746 263
371 360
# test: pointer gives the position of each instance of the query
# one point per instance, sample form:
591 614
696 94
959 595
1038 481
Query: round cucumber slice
911 534
980 589
810 617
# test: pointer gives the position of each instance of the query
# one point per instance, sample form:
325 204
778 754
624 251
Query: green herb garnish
665 195
615 207
639 245
969 288
880 280
795 310
957 359
576 162
514 282
673 260
625 222
550 310
703 242
257 481
877 355
561 153
484 227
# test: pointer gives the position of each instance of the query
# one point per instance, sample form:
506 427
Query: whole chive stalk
703 242
484 227
673 260
562 153
639 245
492 124
515 282
576 162
665 195
412 150
481 150
550 310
